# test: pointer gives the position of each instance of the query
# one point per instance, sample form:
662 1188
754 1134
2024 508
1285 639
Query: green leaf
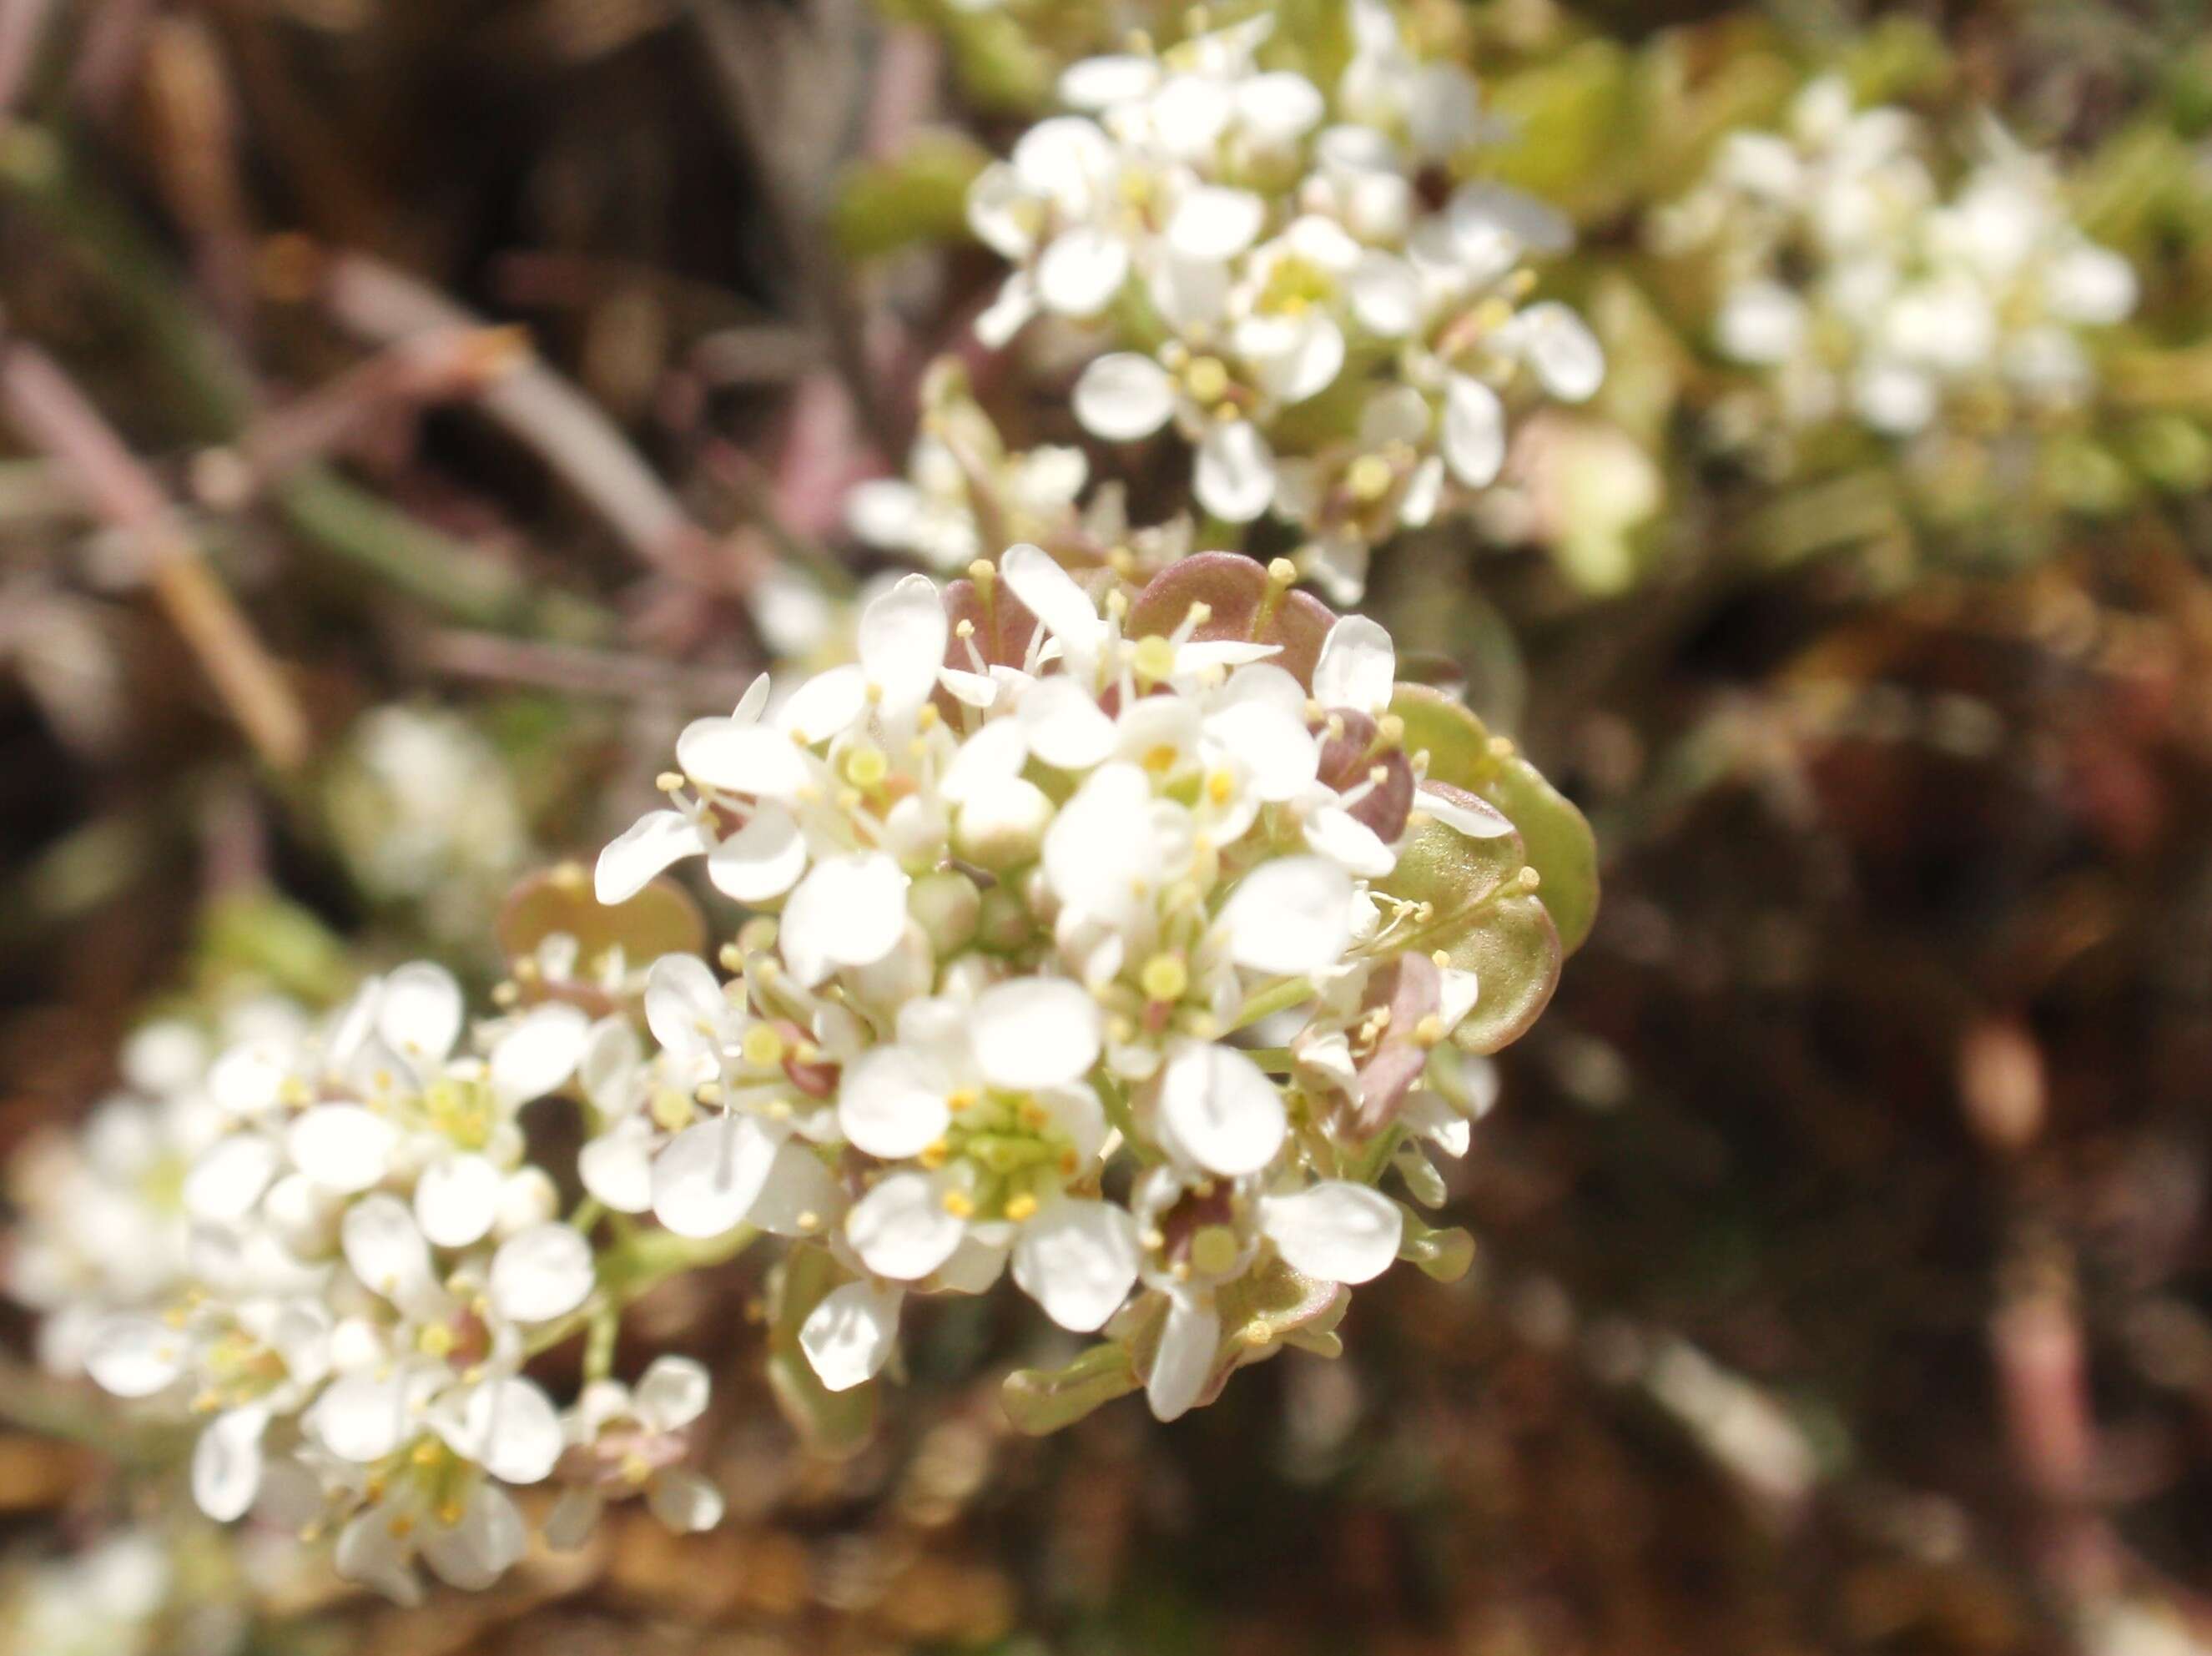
835 1423
1560 847
1039 1401
1485 920
918 196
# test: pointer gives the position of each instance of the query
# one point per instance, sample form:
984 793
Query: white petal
1214 222
826 704
369 1551
1064 726
617 1167
457 1200
1096 83
1291 917
419 1011
573 1517
1051 594
362 1418
1337 1231
1559 346
848 1335
539 1053
1475 818
800 1197
1274 746
892 1103
1221 1108
684 1006
225 1182
386 1249
1342 837
673 1392
760 860
476 1552
249 1078
989 758
1386 295
706 1179
901 643
1235 475
1475 431
510 1429
901 1230
1293 357
341 1147
227 1463
1081 271
1035 1032
1123 396
742 758
134 1356
543 1273
647 847
1009 313
686 1502
1184 1362
848 911
1078 1260
1358 667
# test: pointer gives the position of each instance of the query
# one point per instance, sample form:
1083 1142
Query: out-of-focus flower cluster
354 1257
1305 281
1042 862
1867 293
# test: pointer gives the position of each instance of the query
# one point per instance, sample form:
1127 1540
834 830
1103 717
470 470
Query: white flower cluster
1865 292
1301 287
367 1260
101 1222
1036 860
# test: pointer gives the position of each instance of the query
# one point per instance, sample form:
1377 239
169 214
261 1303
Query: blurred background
411 411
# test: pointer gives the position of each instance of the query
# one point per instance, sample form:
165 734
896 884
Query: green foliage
918 195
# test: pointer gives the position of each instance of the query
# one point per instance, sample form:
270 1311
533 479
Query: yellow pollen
1283 571
1389 731
958 1205
1220 787
963 1098
731 956
669 781
424 1453
450 1514
763 1046
1256 1334
1021 1207
1161 760
933 1156
965 629
636 1468
1430 1030
1165 978
709 1092
928 717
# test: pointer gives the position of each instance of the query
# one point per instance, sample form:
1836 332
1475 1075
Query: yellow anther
1121 1031
731 957
425 1453
1162 759
401 1527
934 1155
709 1092
1283 571
1389 731
963 1098
636 1468
1202 1026
763 1046
1531 879
1033 1115
1221 787
875 694
1430 1030
451 1512
1165 978
570 877
436 1340
672 1111
928 717
504 995
848 799
1021 1207
1368 478
808 1222
981 571
959 1205
1442 957
669 781
1256 1334
1206 379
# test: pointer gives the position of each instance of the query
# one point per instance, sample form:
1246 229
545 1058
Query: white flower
625 1440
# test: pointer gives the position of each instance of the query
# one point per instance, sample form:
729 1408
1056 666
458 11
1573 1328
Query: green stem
1275 998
